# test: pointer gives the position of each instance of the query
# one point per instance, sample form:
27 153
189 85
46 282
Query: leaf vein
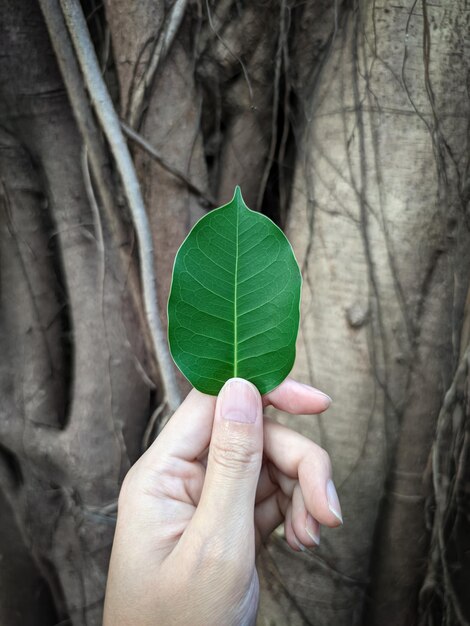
217 264
205 287
228 343
254 246
264 353
216 317
264 303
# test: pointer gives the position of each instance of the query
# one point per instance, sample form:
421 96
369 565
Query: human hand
196 506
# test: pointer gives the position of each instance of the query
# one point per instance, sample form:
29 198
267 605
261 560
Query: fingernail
325 397
240 401
319 393
300 545
313 529
333 500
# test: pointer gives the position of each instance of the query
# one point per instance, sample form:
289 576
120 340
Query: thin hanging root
161 49
208 201
98 159
159 417
111 127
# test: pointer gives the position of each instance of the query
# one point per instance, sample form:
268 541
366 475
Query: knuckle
236 456
324 460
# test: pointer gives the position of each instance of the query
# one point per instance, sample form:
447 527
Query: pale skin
195 508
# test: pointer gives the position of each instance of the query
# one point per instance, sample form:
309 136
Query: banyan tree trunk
347 123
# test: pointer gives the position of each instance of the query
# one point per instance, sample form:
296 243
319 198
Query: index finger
297 398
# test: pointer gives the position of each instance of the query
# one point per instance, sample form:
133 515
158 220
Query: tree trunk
346 123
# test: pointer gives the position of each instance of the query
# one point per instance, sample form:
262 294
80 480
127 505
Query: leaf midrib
235 296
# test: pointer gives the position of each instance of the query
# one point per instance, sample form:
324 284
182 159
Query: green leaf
234 301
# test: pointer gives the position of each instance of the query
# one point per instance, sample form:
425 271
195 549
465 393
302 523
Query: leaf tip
237 196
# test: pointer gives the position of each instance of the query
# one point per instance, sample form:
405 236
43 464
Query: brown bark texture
346 122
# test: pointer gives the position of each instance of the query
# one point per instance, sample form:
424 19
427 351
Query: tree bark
73 381
345 122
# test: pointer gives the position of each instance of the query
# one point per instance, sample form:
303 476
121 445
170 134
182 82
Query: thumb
234 460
